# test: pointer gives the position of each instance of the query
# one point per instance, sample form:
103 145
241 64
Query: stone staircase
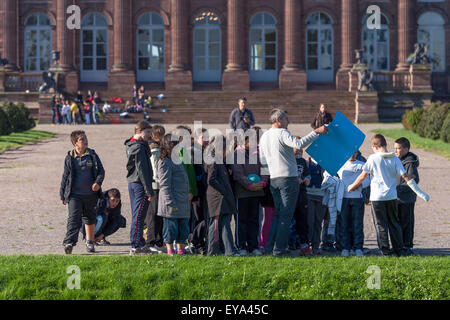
216 106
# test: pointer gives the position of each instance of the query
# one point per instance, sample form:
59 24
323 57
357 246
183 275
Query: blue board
332 150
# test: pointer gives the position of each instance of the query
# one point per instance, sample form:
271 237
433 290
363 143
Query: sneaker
236 255
103 242
359 253
345 253
256 252
154 249
90 246
352 252
410 252
68 248
135 251
181 251
306 251
170 252
243 252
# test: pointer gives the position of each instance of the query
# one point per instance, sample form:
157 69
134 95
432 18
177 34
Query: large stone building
225 45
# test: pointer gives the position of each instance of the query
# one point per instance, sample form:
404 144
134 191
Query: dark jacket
115 218
303 173
237 119
241 172
404 193
68 174
139 168
321 119
219 193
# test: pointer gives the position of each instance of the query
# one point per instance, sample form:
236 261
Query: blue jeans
175 230
88 118
139 206
102 220
351 231
285 193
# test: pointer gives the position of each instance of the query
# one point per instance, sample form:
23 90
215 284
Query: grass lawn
436 146
16 140
202 278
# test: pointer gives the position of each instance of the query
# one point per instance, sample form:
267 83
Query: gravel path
33 220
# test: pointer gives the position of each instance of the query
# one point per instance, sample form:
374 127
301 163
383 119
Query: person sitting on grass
385 168
109 218
80 189
174 203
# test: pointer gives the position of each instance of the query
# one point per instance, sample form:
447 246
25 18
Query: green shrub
435 119
411 119
445 131
18 116
5 126
28 122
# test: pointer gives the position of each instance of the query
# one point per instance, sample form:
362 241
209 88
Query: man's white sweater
277 152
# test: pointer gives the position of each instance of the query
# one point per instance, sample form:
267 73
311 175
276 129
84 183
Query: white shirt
277 151
349 172
384 169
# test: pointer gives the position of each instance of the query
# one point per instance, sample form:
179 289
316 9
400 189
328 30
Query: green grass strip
436 146
17 140
212 278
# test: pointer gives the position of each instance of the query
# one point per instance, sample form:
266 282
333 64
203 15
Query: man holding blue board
277 155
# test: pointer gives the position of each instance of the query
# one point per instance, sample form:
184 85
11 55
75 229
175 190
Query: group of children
77 111
179 204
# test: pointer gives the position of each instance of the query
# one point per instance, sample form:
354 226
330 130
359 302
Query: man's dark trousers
406 216
386 214
248 223
139 206
81 209
154 223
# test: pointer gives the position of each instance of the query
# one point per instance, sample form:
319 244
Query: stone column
236 76
10 34
121 77
406 20
178 77
67 77
292 75
64 36
349 25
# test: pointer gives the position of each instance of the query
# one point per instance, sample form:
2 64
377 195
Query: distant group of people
279 201
77 111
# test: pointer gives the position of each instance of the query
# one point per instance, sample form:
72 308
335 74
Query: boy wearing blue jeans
384 169
351 227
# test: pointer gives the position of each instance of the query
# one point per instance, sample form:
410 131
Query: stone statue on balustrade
366 81
49 82
420 55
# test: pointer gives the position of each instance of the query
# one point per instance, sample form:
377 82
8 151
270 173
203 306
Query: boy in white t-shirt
384 168
351 227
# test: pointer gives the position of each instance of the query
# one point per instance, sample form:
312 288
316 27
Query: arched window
376 46
431 32
38 43
207 48
94 48
319 48
150 48
263 48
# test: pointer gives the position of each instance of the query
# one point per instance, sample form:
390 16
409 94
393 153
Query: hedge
430 122
17 118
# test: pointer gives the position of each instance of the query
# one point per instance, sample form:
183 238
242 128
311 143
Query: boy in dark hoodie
80 189
406 198
139 177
